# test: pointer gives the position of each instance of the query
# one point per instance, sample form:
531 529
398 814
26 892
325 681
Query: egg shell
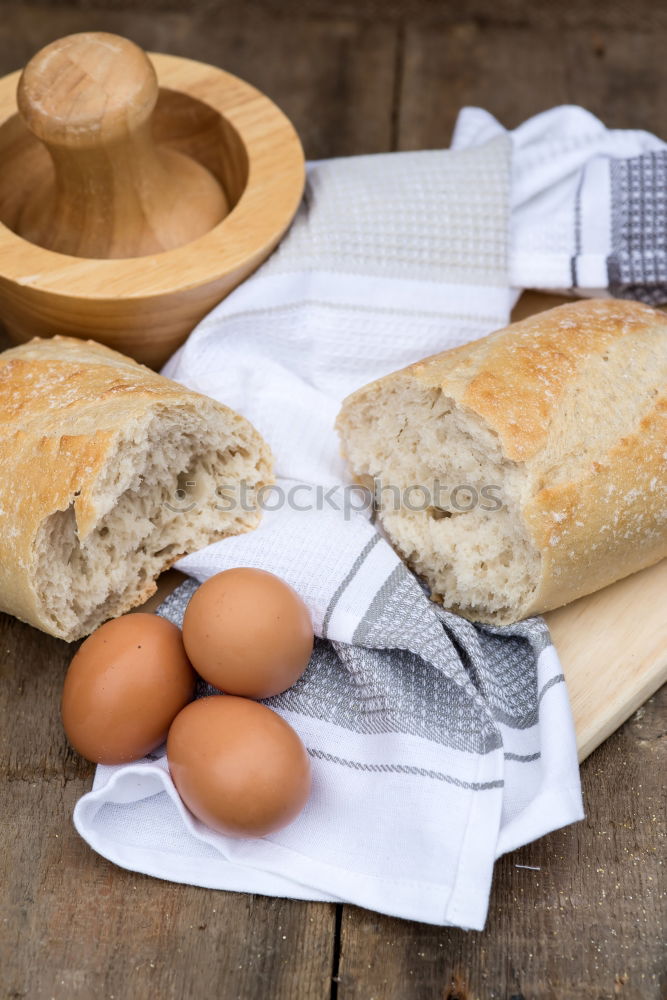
238 766
124 687
248 633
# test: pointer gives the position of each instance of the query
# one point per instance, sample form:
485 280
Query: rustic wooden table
586 920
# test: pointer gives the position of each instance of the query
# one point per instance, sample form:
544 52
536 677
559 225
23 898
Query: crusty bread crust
63 404
576 399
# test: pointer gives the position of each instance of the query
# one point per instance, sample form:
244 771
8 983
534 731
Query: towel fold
588 204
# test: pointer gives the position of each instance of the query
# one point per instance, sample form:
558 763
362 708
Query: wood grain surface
145 305
586 921
613 647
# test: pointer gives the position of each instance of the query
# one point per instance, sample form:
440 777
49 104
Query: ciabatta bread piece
108 474
562 416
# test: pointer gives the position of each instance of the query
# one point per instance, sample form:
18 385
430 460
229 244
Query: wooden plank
75 926
515 72
619 75
79 927
511 72
510 13
582 14
333 77
587 925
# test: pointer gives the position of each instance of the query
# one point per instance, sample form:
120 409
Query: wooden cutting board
613 647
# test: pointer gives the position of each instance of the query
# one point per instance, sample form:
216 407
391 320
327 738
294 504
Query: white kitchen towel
436 745
588 204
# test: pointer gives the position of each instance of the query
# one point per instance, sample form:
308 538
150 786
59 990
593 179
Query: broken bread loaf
539 454
108 474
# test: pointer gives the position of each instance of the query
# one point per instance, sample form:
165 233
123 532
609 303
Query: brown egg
124 687
239 767
248 633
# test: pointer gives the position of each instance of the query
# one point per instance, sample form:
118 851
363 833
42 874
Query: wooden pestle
89 98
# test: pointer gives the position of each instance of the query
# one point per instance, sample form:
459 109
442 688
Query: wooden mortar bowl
146 306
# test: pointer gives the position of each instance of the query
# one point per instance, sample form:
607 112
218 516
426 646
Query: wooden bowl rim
267 205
